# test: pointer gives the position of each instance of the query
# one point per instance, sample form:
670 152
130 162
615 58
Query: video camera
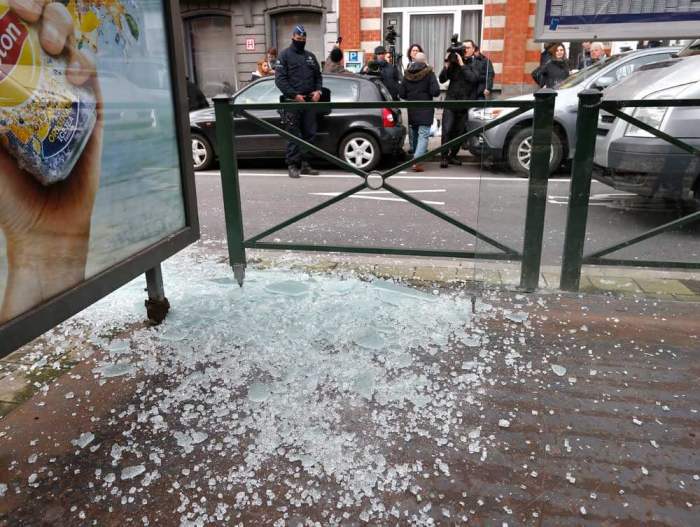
456 47
390 35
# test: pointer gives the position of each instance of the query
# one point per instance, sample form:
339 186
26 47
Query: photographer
388 72
463 79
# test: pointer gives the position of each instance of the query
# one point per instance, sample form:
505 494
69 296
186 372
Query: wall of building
251 19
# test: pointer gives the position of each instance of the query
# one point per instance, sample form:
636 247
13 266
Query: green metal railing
543 105
590 104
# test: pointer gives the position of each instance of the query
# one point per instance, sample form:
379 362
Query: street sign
573 20
354 60
250 44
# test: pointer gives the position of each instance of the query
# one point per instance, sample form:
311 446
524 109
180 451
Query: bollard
537 188
579 192
225 131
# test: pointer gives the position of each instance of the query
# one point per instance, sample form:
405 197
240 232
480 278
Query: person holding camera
387 71
298 77
461 73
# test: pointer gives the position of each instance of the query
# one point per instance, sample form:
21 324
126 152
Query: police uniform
298 73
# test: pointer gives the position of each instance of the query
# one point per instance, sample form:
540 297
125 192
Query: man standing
484 68
388 72
335 62
298 77
464 81
584 58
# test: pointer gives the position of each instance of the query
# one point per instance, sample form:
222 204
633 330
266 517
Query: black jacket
484 68
297 73
552 73
390 78
463 81
419 84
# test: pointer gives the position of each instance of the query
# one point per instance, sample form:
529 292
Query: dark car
359 136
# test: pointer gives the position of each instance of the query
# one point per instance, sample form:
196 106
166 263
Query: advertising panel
92 170
559 20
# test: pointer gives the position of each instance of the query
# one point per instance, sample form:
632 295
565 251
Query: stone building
225 38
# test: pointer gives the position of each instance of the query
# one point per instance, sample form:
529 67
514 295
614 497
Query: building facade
225 38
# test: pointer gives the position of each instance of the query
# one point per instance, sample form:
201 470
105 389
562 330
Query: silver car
512 140
633 160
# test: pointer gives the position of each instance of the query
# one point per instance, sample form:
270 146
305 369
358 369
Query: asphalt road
484 198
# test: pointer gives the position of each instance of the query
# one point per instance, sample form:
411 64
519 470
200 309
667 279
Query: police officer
298 77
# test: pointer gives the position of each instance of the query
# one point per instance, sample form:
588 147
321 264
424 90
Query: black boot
443 162
293 171
307 169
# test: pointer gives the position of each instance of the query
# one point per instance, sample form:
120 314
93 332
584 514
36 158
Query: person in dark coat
298 77
484 68
584 58
413 50
419 84
388 72
195 98
555 70
463 78
335 63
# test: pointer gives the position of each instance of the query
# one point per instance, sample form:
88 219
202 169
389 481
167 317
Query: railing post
580 189
230 185
537 188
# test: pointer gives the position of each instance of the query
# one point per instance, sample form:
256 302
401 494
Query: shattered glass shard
291 288
114 370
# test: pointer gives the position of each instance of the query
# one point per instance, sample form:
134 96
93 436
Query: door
210 61
251 138
283 24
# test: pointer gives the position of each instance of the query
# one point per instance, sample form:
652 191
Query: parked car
633 160
512 140
359 136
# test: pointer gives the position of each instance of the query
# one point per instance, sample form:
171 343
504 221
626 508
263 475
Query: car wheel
202 152
361 150
520 152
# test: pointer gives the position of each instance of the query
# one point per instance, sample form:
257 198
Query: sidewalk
315 395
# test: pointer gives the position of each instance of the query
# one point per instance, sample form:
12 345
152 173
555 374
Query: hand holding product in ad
51 133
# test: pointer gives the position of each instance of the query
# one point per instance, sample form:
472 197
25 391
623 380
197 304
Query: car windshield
691 49
587 73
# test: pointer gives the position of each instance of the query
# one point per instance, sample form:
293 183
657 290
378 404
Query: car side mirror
603 82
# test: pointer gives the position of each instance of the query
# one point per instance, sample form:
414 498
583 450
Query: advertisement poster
89 161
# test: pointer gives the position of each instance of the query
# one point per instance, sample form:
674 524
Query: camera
456 47
390 35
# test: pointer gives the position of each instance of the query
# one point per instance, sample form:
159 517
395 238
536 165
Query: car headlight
653 115
489 114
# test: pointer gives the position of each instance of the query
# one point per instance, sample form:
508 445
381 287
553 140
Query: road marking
597 200
370 195
352 176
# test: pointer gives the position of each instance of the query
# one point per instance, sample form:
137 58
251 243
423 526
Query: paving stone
509 276
6 408
615 284
663 287
687 298
550 280
489 276
434 273
12 386
393 271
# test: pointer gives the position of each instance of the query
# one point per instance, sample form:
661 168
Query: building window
431 23
210 62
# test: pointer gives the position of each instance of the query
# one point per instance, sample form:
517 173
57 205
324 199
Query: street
486 198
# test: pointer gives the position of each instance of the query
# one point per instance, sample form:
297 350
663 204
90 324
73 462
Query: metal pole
230 186
577 214
537 188
157 305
